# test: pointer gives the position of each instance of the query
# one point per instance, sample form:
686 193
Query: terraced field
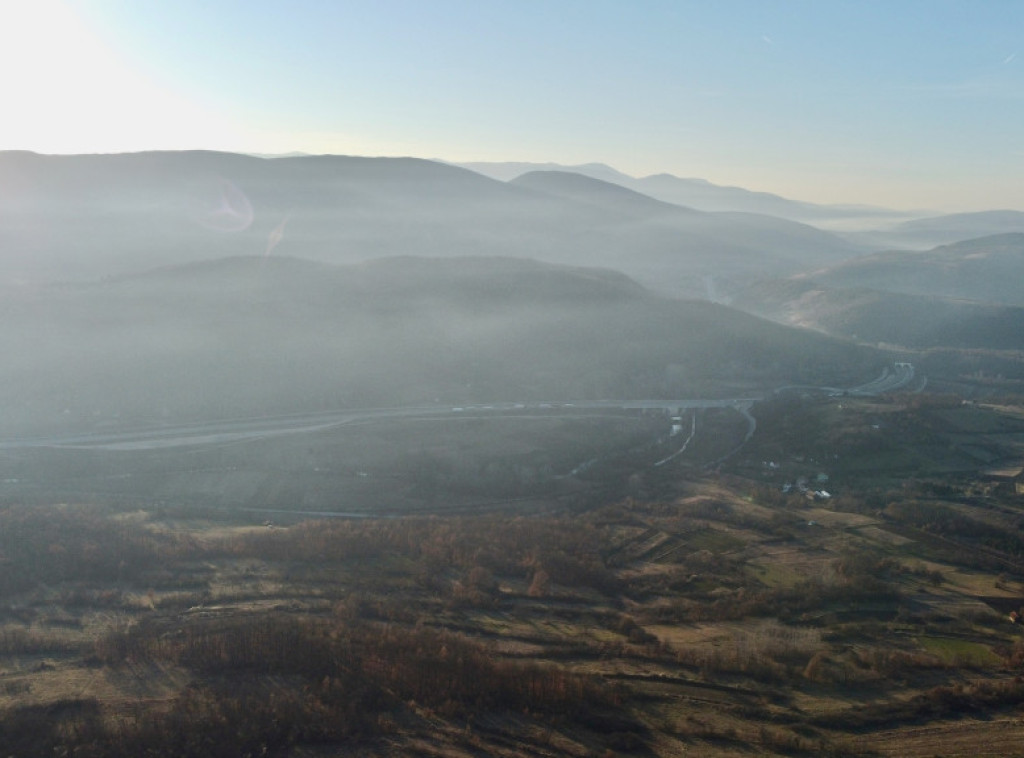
707 613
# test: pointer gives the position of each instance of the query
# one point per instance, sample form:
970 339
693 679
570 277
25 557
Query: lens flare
231 211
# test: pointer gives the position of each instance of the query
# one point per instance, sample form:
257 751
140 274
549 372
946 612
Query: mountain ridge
931 231
984 269
257 336
700 194
82 217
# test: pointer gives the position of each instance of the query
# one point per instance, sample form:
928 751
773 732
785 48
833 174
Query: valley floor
703 613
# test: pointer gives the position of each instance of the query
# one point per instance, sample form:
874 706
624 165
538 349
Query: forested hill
987 269
263 335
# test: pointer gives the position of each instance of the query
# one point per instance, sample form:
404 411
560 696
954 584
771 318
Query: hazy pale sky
912 104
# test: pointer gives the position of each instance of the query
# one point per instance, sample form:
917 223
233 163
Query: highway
236 431
889 380
247 429
899 377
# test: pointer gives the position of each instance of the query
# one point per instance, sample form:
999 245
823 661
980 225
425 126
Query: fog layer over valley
170 287
986 269
963 295
511 379
262 336
384 456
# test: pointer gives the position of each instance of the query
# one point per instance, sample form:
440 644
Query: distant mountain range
701 194
68 218
261 336
925 233
79 217
988 269
674 241
867 226
196 285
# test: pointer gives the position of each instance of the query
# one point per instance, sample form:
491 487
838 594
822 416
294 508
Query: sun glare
66 92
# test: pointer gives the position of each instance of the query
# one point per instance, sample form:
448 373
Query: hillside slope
703 195
87 216
926 233
667 241
916 321
987 269
259 336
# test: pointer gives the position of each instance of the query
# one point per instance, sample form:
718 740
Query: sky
902 103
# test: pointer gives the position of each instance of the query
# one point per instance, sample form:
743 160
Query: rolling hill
987 269
701 194
873 316
83 217
669 243
925 233
261 336
957 309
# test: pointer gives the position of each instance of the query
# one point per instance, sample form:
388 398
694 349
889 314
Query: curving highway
234 431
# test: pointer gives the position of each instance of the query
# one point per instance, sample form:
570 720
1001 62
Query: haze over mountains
167 286
85 216
668 242
701 194
984 269
873 316
964 295
70 217
865 225
262 336
925 233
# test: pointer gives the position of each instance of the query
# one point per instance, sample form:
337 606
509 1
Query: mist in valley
182 286
670 400
158 288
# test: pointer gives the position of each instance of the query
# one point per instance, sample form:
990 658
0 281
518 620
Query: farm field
693 610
